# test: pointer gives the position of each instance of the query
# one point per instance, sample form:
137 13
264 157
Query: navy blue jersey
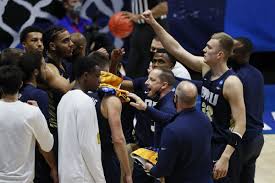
161 114
55 95
185 149
29 92
144 128
253 85
110 162
70 64
103 125
215 106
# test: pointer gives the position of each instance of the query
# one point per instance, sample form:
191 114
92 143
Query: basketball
120 26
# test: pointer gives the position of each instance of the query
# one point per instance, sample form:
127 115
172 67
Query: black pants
42 169
233 174
111 166
249 152
140 44
139 175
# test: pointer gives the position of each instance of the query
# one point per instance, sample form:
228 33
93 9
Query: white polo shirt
20 126
79 150
180 71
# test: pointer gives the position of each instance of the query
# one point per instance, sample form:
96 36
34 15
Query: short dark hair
100 59
50 35
84 64
10 56
247 45
28 63
10 79
27 30
167 75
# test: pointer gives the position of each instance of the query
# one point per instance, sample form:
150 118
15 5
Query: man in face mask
72 20
160 88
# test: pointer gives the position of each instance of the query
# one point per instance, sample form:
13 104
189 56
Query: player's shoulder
51 69
232 81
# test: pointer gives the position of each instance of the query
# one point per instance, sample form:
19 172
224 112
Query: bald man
80 44
184 156
79 50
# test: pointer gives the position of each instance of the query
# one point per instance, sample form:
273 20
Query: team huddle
72 117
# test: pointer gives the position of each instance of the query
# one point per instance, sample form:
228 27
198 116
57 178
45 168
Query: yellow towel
121 94
145 155
109 78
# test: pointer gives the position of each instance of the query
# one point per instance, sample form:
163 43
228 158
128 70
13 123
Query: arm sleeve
41 131
159 116
167 155
88 136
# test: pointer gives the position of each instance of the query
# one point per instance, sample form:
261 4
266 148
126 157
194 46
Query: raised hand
148 17
104 52
133 17
117 54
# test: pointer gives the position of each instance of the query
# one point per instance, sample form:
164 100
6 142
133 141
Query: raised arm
233 92
195 63
157 11
160 9
114 107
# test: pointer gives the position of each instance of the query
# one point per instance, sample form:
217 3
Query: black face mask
156 97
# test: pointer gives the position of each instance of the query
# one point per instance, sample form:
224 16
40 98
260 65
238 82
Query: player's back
17 141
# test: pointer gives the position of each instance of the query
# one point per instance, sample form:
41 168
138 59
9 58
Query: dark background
16 15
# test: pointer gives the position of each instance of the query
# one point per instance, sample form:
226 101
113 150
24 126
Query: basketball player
113 143
79 144
34 68
58 45
222 97
31 39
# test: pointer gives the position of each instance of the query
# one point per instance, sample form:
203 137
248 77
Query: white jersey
79 150
20 126
180 71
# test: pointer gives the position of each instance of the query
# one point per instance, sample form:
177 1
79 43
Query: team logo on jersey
220 84
209 96
150 102
208 110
